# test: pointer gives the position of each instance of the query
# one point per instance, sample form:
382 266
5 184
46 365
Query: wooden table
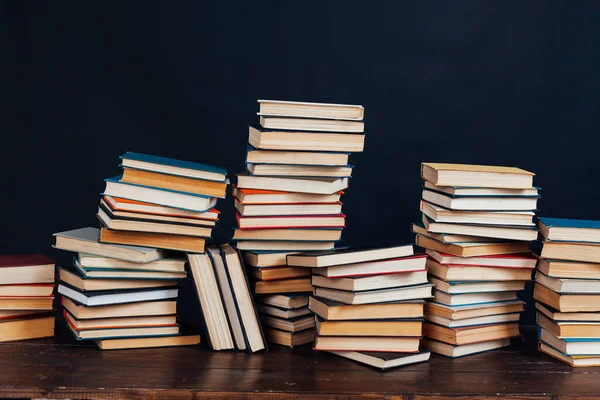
63 368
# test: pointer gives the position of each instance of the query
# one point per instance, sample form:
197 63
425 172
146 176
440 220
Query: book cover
173 163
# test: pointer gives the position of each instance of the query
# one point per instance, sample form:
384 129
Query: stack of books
289 201
567 291
368 304
26 297
476 228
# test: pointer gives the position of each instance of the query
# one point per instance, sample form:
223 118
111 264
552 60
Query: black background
497 82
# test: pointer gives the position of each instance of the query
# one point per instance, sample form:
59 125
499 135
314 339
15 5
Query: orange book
125 205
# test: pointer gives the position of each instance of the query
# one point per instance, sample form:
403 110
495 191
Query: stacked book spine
368 304
567 291
476 227
288 201
26 297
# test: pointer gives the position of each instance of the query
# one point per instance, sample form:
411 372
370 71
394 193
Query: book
473 310
449 350
476 321
283 286
233 316
123 322
348 256
285 301
384 361
159 212
26 303
375 296
292 222
568 285
472 298
386 328
92 262
569 329
76 280
332 310
173 167
310 110
570 230
284 245
569 269
481 191
298 185
136 225
367 343
87 240
566 316
462 287
254 210
245 304
472 249
144 308
473 273
499 232
281 312
505 260
266 139
15 314
441 174
94 334
310 124
480 203
289 325
418 228
325 171
265 258
583 252
256 156
469 335
573 361
388 266
566 302
35 327
107 273
108 297
275 273
216 323
257 196
148 342
156 218
174 182
26 269
289 339
439 214
579 347
371 282
160 240
27 290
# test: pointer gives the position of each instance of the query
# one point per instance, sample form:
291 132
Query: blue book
173 167
570 230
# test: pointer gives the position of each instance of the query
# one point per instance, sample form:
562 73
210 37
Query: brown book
311 110
461 336
569 269
285 301
26 303
273 273
566 302
173 182
258 259
583 252
289 339
312 124
109 284
473 249
158 240
569 329
466 175
145 308
27 328
266 139
148 342
449 350
25 269
283 286
289 325
473 311
368 343
316 235
332 310
573 361
558 316
467 273
403 328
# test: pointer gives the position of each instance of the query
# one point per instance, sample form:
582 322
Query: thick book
157 218
474 273
34 327
335 311
26 269
257 196
524 260
287 301
571 347
566 302
570 329
472 298
384 361
265 258
257 156
173 167
139 274
461 287
290 325
372 282
304 171
570 251
570 230
148 342
74 278
311 110
87 240
266 309
95 334
573 361
26 303
167 241
439 214
118 204
568 285
569 269
458 191
472 249
276 273
348 256
479 203
289 339
387 328
174 182
452 351
255 210
419 228
466 175
312 124
476 321
492 231
337 221
456 313
267 139
368 343
558 316
115 187
294 285
375 296
92 262
123 322
142 308
469 335
284 245
27 290
298 185
108 297
378 267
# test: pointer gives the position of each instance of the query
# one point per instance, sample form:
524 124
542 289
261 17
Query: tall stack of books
368 304
289 201
567 291
26 297
476 227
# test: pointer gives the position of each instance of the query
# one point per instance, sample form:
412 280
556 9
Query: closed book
469 335
173 166
174 182
91 262
570 230
289 339
473 273
334 311
472 249
254 210
389 266
567 302
311 124
94 334
375 296
452 351
472 298
140 274
75 279
299 185
284 245
292 221
418 228
276 273
319 171
568 285
569 329
311 110
27 290
189 244
288 301
480 203
569 269
384 361
473 310
401 328
123 322
492 231
440 214
283 286
557 316
372 282
265 258
148 342
462 287
457 191
257 196
573 361
367 343
142 308
26 269
118 204
582 252
301 235
108 297
577 347
35 327
268 139
476 321
282 312
26 303
290 325
348 256
466 175
257 156
524 260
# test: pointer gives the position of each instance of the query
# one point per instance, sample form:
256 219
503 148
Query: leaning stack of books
476 228
368 303
289 201
26 297
567 291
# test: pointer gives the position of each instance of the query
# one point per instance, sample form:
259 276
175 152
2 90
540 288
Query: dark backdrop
496 82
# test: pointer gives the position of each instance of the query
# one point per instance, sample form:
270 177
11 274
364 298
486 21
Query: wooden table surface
63 368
